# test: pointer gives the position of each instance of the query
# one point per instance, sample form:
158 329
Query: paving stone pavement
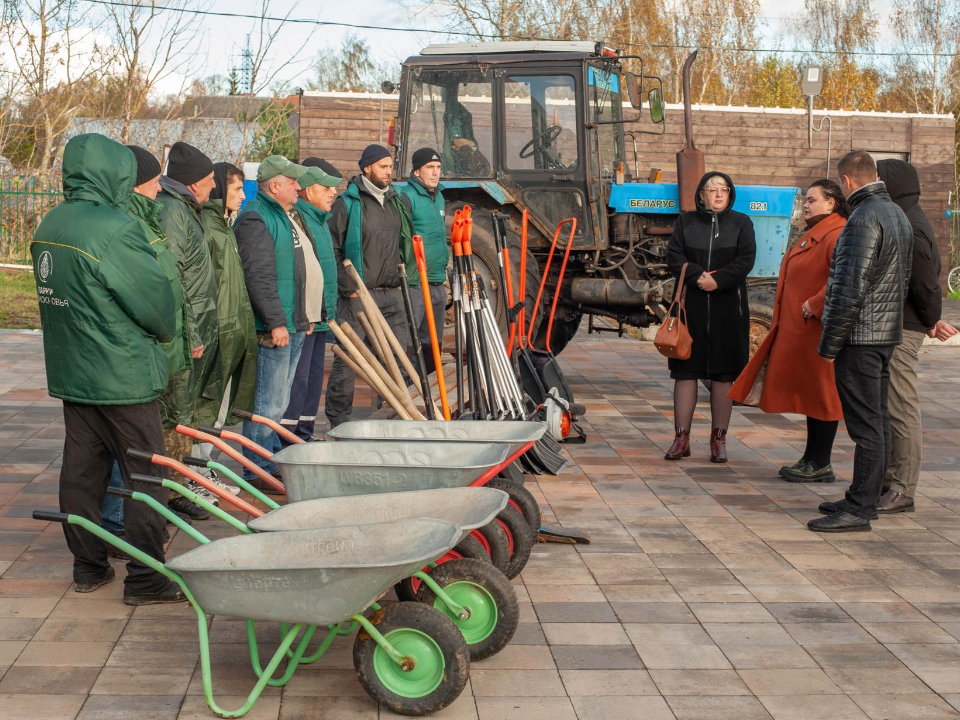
701 597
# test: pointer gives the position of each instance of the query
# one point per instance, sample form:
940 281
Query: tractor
540 126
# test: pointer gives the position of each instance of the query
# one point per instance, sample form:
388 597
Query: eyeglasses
718 191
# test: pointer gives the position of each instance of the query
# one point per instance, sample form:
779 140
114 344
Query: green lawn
18 300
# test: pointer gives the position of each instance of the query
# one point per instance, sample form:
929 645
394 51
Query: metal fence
24 200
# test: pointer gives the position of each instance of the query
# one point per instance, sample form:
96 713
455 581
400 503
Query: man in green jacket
427 209
278 261
318 190
105 306
183 190
175 400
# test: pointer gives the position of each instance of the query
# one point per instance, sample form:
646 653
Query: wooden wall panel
755 147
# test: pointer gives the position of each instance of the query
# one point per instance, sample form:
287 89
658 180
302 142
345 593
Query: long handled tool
417 348
431 325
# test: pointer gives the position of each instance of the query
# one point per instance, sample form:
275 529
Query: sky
225 37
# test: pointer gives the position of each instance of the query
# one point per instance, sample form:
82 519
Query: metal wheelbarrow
311 471
407 655
473 594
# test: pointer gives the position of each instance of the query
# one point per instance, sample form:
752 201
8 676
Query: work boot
840 521
680 447
263 487
798 464
90 585
718 445
894 502
181 505
831 507
809 473
171 594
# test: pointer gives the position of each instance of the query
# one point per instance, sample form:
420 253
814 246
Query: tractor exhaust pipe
691 164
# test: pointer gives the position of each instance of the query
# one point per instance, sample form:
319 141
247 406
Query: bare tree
153 43
349 68
928 35
262 65
837 29
55 48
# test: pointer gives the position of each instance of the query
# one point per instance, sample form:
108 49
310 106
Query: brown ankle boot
681 445
718 445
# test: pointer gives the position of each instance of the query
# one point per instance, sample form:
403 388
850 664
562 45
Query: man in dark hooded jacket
921 318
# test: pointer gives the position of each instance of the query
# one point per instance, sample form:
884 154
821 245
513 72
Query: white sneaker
201 491
214 477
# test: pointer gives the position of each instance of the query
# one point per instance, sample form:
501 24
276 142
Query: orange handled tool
431 323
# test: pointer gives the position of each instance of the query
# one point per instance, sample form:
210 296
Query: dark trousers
96 437
863 379
300 416
338 405
438 300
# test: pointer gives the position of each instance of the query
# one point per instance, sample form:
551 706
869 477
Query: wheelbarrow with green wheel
408 656
473 594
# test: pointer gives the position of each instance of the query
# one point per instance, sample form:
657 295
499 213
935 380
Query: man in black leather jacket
862 324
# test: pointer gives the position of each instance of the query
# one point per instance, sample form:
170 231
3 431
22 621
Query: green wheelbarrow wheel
490 598
441 664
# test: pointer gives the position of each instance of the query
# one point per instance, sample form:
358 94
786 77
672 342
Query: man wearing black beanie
183 190
428 211
370 225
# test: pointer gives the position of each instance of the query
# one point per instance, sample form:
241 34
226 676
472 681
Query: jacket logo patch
45 267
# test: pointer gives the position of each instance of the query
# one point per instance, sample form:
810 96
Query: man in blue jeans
285 285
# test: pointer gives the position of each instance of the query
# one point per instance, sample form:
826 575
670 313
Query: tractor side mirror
634 85
655 100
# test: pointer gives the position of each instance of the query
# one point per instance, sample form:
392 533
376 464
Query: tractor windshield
604 92
452 112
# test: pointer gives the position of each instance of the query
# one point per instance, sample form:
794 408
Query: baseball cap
279 165
316 176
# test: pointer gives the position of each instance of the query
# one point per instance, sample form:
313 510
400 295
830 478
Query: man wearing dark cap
183 190
280 268
145 208
427 208
318 190
371 226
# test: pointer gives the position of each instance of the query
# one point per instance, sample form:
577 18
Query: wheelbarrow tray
513 433
468 508
335 469
314 577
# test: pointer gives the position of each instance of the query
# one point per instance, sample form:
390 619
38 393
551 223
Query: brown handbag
673 338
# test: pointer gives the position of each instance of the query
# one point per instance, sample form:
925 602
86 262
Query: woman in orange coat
797 379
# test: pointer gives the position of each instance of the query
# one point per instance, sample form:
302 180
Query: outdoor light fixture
811 87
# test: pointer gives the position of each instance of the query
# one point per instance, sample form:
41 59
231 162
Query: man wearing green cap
319 190
285 285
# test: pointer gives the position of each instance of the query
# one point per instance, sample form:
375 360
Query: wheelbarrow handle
140 454
497 469
147 479
120 492
209 430
243 414
51 516
195 461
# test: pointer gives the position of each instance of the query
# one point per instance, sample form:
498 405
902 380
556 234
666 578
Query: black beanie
373 154
323 165
423 156
187 165
148 167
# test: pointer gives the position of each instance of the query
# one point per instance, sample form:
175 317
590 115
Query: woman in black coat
718 243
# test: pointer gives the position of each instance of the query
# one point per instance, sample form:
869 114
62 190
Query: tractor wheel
761 314
561 335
